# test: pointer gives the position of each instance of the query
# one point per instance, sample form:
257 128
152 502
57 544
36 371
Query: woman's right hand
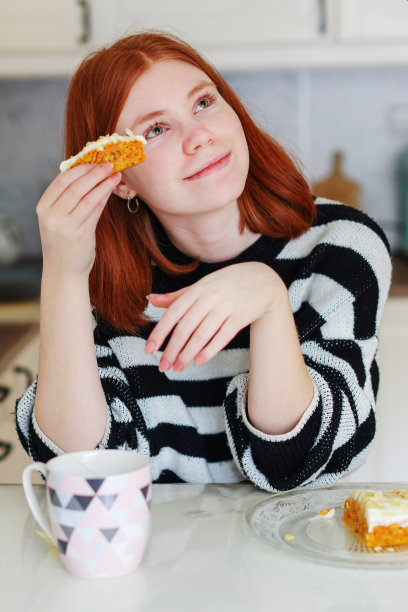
68 213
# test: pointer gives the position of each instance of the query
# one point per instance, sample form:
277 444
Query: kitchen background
313 112
320 75
315 107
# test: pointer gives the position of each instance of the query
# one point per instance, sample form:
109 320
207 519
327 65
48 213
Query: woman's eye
203 103
154 130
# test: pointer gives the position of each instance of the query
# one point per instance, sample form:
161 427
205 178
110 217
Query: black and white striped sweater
194 424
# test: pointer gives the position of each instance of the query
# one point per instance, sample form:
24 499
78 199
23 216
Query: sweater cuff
242 403
105 438
275 462
45 439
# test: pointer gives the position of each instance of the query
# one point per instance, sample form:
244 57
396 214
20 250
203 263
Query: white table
200 559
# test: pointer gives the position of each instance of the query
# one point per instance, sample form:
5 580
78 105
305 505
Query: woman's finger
83 186
199 324
89 224
62 182
170 318
199 339
91 200
164 300
223 336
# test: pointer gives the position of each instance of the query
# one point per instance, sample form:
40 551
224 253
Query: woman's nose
196 136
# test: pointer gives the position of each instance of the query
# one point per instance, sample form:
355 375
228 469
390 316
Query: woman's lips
215 165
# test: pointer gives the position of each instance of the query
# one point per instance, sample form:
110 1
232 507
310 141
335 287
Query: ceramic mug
98 506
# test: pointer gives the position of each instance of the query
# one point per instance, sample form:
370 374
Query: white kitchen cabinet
239 23
40 25
236 34
367 20
211 24
388 457
42 40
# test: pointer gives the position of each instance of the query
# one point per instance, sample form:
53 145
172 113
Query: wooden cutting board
337 186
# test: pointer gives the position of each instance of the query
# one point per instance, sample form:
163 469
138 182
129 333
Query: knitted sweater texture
194 424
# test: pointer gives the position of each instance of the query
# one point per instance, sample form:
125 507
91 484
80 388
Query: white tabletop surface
200 558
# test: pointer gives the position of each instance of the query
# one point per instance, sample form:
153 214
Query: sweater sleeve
122 410
337 307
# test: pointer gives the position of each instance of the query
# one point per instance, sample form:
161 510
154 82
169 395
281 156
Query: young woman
200 307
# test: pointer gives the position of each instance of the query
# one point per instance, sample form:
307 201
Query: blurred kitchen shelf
20 312
21 280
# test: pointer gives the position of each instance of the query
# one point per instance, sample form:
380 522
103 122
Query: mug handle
32 499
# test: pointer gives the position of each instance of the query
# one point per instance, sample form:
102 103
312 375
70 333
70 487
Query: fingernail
107 167
164 365
178 366
199 360
150 347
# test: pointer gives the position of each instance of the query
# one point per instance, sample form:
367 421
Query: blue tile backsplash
311 112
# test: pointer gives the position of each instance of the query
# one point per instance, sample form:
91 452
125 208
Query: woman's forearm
280 388
70 405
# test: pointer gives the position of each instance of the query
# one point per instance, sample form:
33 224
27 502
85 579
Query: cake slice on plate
378 518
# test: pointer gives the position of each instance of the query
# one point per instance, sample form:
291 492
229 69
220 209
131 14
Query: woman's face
196 154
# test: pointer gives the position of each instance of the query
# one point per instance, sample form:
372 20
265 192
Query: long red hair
276 200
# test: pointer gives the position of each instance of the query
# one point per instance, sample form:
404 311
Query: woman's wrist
280 388
53 275
66 294
279 298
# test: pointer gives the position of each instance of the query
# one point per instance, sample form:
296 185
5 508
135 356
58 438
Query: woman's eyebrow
159 113
200 86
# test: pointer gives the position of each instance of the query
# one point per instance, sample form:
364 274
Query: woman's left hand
204 317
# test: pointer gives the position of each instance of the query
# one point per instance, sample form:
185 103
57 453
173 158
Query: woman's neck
210 237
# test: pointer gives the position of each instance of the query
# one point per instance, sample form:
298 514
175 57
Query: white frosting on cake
383 508
99 144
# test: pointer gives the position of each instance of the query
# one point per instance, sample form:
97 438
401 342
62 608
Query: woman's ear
123 191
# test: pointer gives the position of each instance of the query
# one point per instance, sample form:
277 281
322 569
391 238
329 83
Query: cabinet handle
322 9
85 36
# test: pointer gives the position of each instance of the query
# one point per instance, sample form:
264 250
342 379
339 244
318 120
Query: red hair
276 200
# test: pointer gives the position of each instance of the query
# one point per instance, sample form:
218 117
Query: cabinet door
27 25
367 20
213 23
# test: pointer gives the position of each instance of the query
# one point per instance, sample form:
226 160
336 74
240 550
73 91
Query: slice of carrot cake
378 518
122 151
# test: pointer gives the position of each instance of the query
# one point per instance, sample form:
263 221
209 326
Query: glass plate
322 540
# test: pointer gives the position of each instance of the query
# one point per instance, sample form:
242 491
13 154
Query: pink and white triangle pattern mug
98 506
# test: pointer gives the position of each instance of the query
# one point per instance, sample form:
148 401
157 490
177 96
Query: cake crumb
289 536
327 514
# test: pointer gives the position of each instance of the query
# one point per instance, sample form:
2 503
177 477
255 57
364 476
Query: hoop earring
137 203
